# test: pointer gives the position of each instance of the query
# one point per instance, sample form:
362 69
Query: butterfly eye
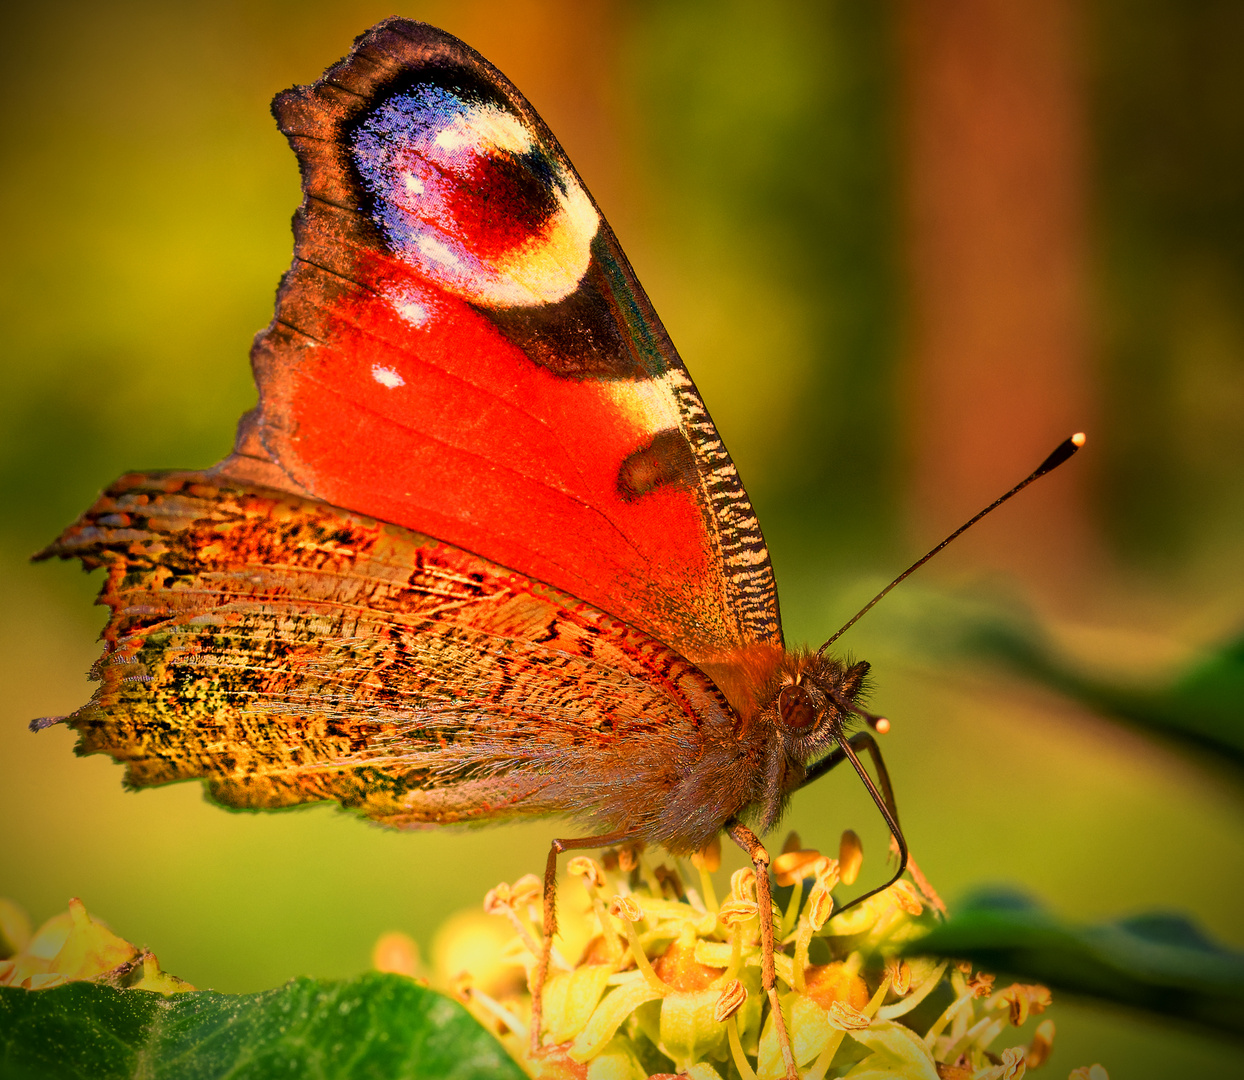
796 709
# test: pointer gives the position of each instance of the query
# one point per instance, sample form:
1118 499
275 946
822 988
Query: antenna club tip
882 725
1060 453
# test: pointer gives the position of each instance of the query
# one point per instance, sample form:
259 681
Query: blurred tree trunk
996 192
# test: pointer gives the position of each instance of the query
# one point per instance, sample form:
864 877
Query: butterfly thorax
792 707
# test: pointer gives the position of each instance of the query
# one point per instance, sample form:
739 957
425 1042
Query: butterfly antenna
1063 451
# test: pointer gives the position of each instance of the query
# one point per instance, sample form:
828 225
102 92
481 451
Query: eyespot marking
466 195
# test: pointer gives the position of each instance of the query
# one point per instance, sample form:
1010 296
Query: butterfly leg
550 917
882 793
750 843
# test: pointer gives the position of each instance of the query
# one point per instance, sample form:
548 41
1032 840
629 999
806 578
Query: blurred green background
904 253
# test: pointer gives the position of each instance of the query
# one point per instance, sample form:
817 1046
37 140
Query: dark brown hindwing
287 652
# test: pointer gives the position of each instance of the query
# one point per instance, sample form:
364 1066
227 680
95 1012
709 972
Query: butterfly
479 552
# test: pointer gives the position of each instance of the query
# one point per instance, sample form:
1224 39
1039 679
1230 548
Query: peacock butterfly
479 552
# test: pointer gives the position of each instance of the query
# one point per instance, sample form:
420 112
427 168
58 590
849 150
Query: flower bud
395 953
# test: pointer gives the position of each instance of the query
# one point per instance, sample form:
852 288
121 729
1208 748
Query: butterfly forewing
461 347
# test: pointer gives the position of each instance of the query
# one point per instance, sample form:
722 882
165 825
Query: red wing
287 652
461 347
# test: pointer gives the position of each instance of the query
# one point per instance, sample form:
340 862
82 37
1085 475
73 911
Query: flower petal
617 1006
896 1052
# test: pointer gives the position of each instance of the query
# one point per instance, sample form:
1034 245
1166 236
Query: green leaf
375 1026
1158 963
1203 706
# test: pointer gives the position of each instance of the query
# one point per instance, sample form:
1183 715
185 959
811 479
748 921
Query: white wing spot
414 313
483 128
650 404
413 184
436 250
386 376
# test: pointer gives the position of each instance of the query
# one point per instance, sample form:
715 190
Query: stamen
981 1034
1042 1044
901 1008
826 1057
499 901
627 910
594 881
706 887
743 884
733 994
793 866
589 869
733 912
850 857
792 911
498 1010
746 1072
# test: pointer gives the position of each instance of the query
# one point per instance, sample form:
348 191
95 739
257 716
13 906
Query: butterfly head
802 710
810 702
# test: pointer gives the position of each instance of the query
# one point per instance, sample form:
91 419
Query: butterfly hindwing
286 652
460 347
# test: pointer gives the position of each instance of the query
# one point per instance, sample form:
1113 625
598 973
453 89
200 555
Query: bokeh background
904 248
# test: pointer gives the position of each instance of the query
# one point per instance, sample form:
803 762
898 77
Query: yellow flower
74 947
668 979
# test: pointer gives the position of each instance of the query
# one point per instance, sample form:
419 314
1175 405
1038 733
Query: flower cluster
668 979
